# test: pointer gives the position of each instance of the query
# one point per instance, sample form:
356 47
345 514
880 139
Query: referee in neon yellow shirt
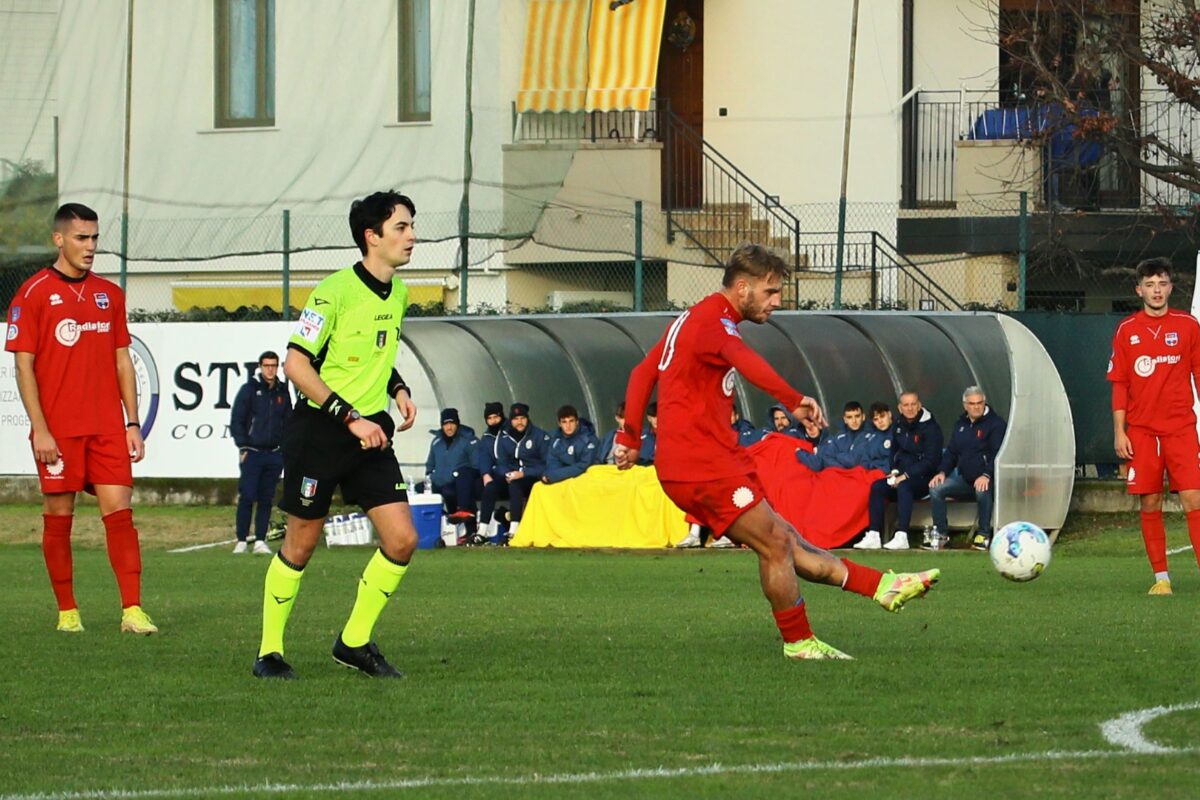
341 360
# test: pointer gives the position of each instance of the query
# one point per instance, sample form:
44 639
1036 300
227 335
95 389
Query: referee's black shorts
320 454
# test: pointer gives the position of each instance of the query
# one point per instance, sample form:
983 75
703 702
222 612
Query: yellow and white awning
580 55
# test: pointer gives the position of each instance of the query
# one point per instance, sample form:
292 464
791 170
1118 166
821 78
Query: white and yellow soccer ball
1020 551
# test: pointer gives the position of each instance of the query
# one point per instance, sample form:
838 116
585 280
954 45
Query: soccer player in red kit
704 471
67 332
1155 358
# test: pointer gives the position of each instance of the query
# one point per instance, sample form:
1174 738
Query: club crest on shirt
728 381
1171 339
731 327
308 487
529 445
12 332
15 314
101 299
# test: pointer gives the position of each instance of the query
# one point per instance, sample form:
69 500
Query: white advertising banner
188 375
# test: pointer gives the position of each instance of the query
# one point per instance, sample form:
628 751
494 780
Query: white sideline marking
592 777
1179 550
1126 730
190 548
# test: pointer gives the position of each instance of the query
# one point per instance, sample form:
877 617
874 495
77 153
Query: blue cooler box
427 516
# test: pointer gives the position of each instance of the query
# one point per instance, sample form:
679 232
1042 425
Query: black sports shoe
366 659
272 665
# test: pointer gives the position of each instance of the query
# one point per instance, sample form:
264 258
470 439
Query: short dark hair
372 211
756 261
268 354
567 412
853 405
620 409
1151 267
652 409
879 407
69 211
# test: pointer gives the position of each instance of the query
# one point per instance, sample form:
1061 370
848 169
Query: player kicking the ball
706 474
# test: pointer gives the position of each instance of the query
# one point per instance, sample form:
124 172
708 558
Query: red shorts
85 461
717 503
1178 454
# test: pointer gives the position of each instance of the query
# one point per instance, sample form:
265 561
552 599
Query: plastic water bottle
427 486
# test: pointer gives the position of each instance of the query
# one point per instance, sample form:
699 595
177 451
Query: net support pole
464 207
841 229
1022 249
638 274
287 264
124 250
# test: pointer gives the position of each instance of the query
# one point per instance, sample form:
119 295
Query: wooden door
681 84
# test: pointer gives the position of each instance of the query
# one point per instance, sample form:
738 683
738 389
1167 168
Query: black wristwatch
351 416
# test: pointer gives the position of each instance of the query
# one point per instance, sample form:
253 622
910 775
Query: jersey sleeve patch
309 326
731 327
13 332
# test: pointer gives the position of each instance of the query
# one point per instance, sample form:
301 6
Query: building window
245 63
414 61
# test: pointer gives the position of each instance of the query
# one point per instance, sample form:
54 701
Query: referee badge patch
308 487
309 326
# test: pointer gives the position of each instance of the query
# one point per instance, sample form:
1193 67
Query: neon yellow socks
279 595
377 585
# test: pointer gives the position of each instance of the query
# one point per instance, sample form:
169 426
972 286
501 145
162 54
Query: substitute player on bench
1155 357
341 359
66 329
706 474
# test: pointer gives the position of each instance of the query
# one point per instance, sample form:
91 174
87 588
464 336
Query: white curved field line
1124 731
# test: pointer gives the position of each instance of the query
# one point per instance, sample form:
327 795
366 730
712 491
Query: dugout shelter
548 361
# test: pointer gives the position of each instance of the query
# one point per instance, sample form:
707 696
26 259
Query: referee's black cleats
366 659
272 665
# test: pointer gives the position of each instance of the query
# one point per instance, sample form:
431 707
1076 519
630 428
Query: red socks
56 550
793 622
1193 522
1154 535
861 580
124 555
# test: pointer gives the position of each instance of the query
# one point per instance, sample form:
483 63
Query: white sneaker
691 540
240 547
898 542
869 541
722 542
260 548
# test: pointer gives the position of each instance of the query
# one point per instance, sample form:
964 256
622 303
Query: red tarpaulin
829 507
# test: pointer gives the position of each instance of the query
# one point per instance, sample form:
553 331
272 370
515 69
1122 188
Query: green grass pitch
553 674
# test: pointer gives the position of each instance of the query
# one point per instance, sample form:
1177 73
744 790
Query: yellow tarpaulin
603 507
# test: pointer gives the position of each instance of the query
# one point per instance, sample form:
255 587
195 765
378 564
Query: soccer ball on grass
1020 551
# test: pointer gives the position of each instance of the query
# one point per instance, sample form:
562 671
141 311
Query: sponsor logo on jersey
1134 339
16 314
308 487
742 496
55 299
309 326
101 299
1171 339
68 331
380 338
728 381
1145 365
12 332
731 327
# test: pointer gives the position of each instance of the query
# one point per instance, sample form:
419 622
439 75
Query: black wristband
396 383
133 425
336 407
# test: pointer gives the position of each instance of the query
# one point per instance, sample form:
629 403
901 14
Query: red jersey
695 364
73 328
1153 362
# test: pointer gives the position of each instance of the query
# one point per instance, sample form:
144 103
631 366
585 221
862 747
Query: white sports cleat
691 540
260 548
722 543
239 548
898 542
869 541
